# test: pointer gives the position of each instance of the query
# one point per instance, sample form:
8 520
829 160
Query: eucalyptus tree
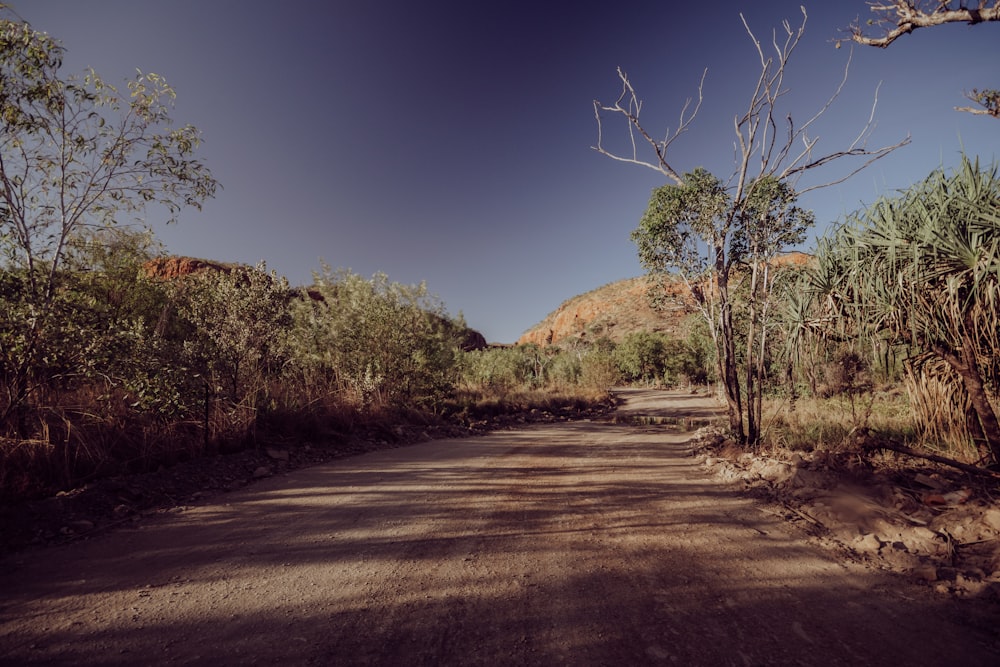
76 153
700 226
921 272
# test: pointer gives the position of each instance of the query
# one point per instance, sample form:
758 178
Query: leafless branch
779 159
857 148
905 16
977 112
766 141
638 134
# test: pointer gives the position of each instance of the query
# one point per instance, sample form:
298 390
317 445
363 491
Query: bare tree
901 17
700 228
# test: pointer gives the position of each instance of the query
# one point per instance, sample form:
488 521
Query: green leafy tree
641 357
236 320
697 230
700 226
75 154
500 370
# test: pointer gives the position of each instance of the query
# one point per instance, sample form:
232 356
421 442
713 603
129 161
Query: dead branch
978 112
905 16
780 160
631 111
943 460
784 155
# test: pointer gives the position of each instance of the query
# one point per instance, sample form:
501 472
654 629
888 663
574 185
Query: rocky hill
620 308
611 311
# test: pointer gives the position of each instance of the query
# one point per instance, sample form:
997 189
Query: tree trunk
730 374
753 390
967 367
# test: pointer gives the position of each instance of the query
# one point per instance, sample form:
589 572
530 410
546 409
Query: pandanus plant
921 272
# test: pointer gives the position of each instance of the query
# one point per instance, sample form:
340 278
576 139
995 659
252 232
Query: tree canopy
76 155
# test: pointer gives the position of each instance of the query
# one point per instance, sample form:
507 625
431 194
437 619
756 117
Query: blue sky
450 142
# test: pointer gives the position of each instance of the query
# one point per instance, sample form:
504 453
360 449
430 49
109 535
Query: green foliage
701 232
768 222
641 357
698 357
598 370
386 342
236 321
653 358
921 273
921 270
501 370
95 328
681 223
573 366
75 156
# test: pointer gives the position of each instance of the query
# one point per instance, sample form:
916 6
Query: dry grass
842 423
835 423
92 436
474 405
940 405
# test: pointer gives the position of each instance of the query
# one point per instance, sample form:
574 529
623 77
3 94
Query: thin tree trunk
753 427
968 369
730 379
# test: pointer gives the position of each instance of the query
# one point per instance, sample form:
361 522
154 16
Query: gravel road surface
587 543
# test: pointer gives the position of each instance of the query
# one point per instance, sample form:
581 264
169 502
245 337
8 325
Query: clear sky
450 141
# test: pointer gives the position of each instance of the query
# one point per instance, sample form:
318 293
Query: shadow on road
584 543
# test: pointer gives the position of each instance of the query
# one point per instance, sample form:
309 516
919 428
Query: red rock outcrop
174 267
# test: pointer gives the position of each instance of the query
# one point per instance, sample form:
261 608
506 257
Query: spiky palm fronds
922 271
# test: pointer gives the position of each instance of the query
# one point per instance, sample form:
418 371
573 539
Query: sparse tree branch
857 148
989 100
637 133
757 130
905 16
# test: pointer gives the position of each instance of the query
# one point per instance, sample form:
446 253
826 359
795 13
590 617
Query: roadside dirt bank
582 543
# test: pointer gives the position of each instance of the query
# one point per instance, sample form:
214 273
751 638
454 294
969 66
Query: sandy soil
587 543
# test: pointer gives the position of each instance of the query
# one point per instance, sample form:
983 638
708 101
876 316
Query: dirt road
571 544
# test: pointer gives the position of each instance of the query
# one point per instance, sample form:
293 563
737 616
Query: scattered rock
262 471
868 543
923 524
991 518
803 477
277 454
930 481
81 526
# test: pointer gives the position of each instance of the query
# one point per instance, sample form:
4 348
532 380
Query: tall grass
843 422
